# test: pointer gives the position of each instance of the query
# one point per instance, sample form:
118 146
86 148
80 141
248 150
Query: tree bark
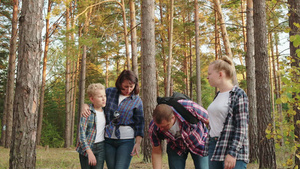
9 98
223 29
198 65
148 69
74 77
295 18
169 71
225 36
250 72
244 27
126 36
186 58
67 82
191 69
162 35
22 152
42 95
266 146
133 37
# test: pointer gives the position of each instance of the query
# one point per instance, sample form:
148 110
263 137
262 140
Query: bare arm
157 157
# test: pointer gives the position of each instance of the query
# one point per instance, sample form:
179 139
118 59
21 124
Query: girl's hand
229 162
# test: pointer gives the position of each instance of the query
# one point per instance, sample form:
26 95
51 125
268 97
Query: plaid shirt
193 136
233 139
130 109
87 132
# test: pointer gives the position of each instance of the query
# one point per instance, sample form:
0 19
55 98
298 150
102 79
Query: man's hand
85 111
229 162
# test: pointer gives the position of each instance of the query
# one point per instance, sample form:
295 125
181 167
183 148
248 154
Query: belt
214 138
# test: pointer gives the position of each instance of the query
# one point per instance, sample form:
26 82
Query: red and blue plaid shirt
192 138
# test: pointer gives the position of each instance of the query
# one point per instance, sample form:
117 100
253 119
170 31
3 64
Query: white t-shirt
175 129
217 113
126 132
100 126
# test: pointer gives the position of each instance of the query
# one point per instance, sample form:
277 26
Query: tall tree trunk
225 36
106 70
74 75
266 146
243 9
279 106
80 87
83 68
250 70
148 69
67 82
133 37
185 54
126 36
42 95
169 71
9 98
223 29
217 39
294 18
22 151
191 69
197 45
163 45
273 79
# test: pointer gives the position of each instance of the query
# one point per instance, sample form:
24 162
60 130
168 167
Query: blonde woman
228 119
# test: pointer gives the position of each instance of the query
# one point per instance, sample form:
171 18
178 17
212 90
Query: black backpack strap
182 111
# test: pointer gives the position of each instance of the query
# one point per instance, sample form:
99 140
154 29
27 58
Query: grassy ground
54 158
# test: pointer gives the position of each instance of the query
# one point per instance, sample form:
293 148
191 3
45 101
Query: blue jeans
178 162
117 153
98 150
220 164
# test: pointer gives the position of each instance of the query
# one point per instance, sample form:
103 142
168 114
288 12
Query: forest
51 50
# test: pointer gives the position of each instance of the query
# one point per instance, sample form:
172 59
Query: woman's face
127 87
212 76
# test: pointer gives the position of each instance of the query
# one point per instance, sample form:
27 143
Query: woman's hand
85 111
229 162
137 146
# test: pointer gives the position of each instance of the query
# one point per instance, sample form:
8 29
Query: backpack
172 101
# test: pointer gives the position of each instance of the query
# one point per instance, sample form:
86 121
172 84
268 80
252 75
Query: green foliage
54 106
50 135
290 99
296 42
3 79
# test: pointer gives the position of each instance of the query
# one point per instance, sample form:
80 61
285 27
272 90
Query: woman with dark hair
124 121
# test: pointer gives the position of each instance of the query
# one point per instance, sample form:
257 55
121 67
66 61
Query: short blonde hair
91 90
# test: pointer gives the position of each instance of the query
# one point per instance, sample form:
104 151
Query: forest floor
53 158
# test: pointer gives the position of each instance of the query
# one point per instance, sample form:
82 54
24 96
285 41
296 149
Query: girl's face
127 87
213 76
